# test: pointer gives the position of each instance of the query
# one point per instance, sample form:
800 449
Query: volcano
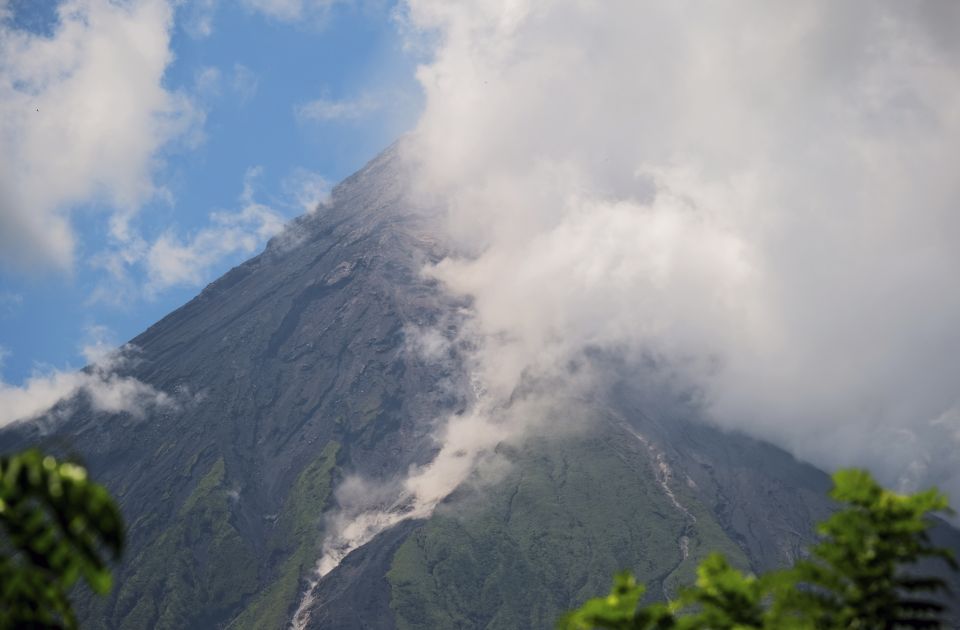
297 371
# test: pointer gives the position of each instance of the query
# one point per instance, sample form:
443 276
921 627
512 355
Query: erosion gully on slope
664 475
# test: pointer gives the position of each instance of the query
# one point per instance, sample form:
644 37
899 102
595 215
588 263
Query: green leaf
57 524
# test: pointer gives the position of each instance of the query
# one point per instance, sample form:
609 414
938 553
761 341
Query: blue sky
265 104
764 196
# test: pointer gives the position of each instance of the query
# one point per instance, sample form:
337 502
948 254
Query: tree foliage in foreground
861 575
56 525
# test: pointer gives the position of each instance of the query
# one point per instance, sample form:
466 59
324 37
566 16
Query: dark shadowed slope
293 370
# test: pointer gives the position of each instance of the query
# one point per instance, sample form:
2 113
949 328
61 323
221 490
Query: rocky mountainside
294 371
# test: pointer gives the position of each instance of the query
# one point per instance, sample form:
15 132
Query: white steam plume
466 453
763 194
367 509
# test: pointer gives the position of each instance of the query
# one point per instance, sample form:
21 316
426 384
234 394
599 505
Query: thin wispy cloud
244 82
292 10
98 344
10 302
207 82
141 268
331 110
308 189
197 17
172 261
239 83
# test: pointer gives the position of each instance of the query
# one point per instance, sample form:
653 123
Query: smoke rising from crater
763 195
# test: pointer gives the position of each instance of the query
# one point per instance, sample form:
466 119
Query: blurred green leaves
858 574
619 609
56 526
861 575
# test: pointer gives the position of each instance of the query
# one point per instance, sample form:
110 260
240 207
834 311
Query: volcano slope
296 370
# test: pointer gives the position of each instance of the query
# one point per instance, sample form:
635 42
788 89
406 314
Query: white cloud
244 82
325 110
83 115
762 195
206 82
106 390
99 344
197 17
10 302
291 10
141 267
172 261
210 84
308 189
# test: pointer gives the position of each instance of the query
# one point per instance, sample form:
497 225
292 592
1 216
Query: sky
758 198
149 146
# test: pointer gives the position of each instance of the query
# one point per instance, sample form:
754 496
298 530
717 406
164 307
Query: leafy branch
56 524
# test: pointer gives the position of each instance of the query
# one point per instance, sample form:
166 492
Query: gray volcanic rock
295 370
298 348
356 594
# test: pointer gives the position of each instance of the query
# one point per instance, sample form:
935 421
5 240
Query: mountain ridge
295 371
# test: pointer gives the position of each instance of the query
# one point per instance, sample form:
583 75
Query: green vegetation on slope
199 571
296 540
862 575
567 514
199 562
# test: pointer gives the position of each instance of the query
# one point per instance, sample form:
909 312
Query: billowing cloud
757 199
106 390
83 114
762 196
